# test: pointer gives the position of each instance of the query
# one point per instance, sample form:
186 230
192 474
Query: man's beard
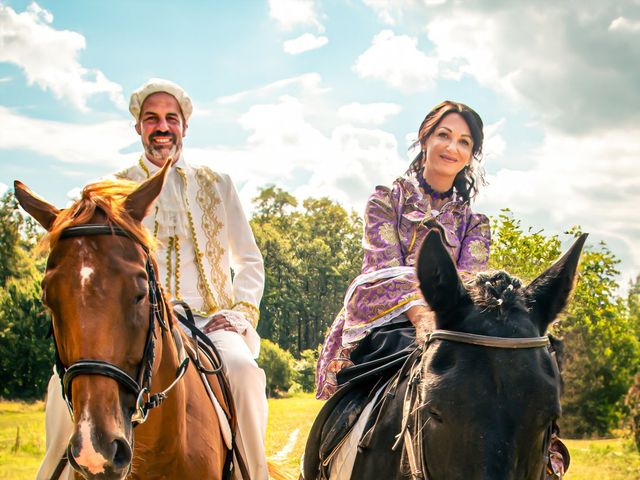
159 153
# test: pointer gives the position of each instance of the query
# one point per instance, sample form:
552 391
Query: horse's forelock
495 290
108 197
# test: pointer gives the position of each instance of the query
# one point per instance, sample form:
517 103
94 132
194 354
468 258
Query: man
203 236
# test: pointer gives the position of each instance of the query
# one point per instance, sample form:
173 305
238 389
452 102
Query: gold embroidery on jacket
211 226
250 311
209 302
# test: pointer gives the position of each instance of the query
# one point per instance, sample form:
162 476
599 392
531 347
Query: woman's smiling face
448 149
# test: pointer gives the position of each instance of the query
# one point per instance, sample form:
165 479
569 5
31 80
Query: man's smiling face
161 127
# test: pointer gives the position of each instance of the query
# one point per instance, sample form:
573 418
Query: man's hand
219 322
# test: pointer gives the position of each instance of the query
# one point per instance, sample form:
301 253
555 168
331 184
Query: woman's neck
439 183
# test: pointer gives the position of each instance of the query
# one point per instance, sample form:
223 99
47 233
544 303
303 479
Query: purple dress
387 285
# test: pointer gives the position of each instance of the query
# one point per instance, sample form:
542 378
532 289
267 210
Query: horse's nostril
121 452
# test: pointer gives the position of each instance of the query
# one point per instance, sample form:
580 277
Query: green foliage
311 255
632 401
305 369
26 355
278 367
17 236
602 349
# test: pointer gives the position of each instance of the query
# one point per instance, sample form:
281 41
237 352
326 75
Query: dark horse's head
97 288
489 408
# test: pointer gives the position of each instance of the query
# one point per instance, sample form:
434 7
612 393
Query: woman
383 305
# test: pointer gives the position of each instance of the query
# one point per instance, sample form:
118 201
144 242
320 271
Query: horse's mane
108 197
496 290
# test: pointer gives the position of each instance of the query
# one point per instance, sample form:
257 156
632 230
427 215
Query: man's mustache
153 136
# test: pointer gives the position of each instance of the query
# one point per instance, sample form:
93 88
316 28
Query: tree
602 350
278 367
632 400
18 235
311 254
26 356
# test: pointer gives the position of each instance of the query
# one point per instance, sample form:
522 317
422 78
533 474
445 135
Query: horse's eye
435 414
140 298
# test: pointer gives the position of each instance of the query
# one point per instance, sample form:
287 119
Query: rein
140 387
412 417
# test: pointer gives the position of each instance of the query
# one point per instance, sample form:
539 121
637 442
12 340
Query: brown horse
117 342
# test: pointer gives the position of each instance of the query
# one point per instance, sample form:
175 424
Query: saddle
340 413
208 362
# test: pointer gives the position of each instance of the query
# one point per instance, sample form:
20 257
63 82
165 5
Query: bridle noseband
158 310
487 341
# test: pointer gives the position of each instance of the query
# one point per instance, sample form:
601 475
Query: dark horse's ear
547 295
439 281
139 201
42 211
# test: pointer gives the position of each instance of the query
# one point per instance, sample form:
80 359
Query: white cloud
624 24
590 180
284 148
291 13
494 144
392 12
308 84
576 72
573 63
371 113
304 43
3 188
99 143
49 57
396 60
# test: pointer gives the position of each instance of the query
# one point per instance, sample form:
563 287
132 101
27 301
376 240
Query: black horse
478 397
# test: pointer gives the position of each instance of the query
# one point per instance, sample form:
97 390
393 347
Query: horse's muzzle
109 459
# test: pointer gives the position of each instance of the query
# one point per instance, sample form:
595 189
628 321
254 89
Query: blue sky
324 97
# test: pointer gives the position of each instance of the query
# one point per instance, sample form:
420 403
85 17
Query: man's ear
138 128
184 129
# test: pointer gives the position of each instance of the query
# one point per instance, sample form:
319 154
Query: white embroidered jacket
203 237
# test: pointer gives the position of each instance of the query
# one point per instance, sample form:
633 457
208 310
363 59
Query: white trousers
247 382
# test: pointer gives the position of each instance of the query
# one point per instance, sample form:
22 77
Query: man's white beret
156 85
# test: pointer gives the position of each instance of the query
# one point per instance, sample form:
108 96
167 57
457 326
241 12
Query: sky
324 97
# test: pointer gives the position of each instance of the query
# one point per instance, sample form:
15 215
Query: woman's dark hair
467 180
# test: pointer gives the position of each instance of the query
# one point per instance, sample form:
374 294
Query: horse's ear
439 281
547 295
139 201
42 211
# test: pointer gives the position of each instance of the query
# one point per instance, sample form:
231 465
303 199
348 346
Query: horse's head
96 286
488 398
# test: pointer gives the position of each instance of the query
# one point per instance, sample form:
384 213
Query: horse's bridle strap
94 229
487 341
98 367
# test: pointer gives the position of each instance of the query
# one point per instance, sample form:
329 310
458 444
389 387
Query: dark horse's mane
496 291
106 197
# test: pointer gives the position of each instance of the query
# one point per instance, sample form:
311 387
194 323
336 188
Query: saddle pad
343 458
225 428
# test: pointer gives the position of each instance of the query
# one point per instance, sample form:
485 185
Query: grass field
289 423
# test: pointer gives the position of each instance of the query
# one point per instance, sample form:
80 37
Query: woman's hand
418 314
421 318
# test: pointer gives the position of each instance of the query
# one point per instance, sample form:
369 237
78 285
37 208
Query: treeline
312 251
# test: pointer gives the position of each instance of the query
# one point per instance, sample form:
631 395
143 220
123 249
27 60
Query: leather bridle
158 311
412 417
